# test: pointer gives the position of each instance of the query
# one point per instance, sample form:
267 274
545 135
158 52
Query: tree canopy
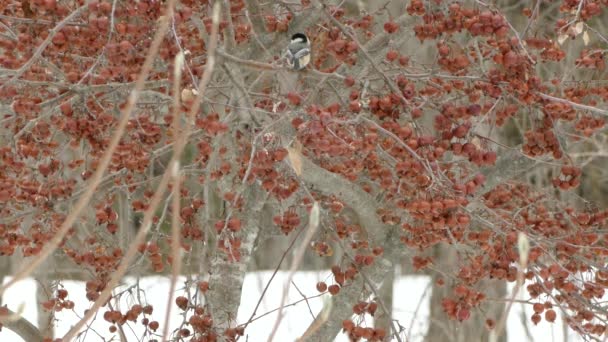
462 138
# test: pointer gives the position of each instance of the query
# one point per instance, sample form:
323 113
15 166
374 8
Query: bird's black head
299 36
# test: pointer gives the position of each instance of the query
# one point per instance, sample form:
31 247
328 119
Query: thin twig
104 162
286 306
44 44
372 287
274 273
313 225
574 104
523 263
36 21
266 66
175 207
403 144
409 331
367 56
156 198
304 297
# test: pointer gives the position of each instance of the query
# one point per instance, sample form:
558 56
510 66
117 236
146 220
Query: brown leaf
295 157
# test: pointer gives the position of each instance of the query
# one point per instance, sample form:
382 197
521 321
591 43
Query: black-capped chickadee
298 51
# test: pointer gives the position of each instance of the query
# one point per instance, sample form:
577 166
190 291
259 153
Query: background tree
168 137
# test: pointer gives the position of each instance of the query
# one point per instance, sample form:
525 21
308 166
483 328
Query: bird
298 51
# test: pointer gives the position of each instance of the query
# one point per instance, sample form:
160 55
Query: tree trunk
442 328
44 292
383 320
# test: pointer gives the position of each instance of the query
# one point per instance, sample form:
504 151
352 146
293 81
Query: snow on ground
411 297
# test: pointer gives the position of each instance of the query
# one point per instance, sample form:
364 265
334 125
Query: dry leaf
578 28
323 317
562 38
523 245
188 95
179 64
586 38
295 158
314 216
477 142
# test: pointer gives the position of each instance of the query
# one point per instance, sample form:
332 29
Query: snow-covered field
411 296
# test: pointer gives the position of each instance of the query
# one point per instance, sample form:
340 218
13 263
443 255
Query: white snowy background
411 298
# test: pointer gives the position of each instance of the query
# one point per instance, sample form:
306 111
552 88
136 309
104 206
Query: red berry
392 55
333 289
349 81
550 315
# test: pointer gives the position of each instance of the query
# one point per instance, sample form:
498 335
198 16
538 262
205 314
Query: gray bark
226 277
442 328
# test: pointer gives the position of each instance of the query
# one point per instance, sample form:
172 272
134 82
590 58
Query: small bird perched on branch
298 51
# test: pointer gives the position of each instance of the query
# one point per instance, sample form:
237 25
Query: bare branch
367 56
313 225
104 162
44 44
362 202
574 104
265 66
175 200
130 254
19 325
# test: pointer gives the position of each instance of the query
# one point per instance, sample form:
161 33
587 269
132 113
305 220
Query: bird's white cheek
305 60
